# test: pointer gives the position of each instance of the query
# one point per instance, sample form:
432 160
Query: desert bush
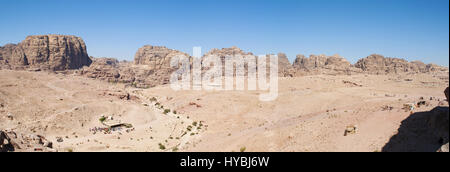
166 111
243 149
161 146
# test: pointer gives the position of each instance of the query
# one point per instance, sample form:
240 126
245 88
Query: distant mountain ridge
151 65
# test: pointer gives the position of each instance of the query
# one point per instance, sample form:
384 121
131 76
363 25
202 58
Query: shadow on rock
421 132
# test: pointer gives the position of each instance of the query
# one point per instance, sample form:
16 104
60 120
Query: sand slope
310 114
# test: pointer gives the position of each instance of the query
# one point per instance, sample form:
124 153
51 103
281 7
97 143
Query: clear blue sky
410 29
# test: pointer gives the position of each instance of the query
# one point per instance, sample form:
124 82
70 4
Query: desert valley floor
311 113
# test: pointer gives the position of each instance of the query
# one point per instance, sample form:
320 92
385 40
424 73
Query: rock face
152 66
6 53
228 51
446 92
285 68
156 57
323 64
378 64
49 52
222 54
10 141
103 69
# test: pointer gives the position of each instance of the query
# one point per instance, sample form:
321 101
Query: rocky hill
151 65
378 64
47 52
323 64
6 53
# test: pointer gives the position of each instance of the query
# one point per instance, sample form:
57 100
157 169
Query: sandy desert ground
310 114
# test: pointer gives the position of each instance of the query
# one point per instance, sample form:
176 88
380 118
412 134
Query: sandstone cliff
323 64
378 64
6 53
47 52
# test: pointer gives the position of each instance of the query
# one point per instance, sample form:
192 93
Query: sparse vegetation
166 111
243 149
102 119
161 146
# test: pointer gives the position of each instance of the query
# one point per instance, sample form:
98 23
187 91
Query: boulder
446 92
7 144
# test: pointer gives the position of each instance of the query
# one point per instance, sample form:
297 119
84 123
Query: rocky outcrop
446 92
152 66
6 53
378 64
222 54
10 141
323 64
48 52
156 57
156 72
232 51
103 69
285 68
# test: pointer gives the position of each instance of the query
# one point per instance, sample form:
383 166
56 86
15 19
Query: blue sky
410 29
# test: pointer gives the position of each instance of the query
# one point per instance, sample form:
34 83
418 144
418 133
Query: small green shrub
161 146
166 111
175 149
243 149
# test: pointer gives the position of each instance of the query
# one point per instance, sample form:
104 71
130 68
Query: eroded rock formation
6 53
378 64
47 52
151 64
323 64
